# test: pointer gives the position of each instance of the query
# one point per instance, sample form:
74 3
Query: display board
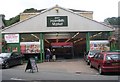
12 38
30 47
102 45
31 65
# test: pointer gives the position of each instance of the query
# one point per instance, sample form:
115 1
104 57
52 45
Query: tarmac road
60 70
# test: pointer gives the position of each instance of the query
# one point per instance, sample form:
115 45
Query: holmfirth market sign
57 21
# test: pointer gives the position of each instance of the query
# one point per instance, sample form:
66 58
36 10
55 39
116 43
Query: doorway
66 45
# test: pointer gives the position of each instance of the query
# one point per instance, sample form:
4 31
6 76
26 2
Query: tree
17 18
115 22
12 20
31 10
112 21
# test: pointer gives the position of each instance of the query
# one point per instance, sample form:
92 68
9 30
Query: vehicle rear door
93 60
98 60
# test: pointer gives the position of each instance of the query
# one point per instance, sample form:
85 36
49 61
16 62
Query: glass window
14 54
113 57
100 56
5 54
96 55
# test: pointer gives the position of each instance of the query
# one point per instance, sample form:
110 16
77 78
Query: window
96 55
14 54
100 56
113 57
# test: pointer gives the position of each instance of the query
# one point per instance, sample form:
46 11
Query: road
60 70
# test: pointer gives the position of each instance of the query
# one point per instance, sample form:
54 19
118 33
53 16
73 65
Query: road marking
16 79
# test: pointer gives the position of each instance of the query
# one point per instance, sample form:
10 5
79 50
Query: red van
106 62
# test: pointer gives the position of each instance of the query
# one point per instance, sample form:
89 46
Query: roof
74 10
38 23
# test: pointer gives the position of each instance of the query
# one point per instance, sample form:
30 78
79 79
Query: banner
102 45
30 47
11 38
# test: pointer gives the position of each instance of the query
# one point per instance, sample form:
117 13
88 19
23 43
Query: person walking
48 53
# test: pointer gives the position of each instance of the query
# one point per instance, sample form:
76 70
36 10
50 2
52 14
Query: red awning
62 44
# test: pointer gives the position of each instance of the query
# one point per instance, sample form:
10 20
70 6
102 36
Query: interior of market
66 45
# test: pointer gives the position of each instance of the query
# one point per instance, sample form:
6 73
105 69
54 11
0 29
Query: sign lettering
12 38
57 21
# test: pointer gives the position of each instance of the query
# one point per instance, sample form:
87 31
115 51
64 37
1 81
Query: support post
3 48
41 48
87 41
19 50
112 43
43 55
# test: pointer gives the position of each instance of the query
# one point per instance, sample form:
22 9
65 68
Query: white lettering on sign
56 24
59 20
12 38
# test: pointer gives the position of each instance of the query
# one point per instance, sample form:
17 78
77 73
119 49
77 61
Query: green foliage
12 20
17 18
113 21
31 10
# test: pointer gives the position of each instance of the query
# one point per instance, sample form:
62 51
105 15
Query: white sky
102 9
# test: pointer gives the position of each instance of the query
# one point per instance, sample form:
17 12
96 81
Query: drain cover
78 72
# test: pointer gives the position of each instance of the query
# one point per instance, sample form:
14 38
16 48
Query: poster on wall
30 47
102 45
11 38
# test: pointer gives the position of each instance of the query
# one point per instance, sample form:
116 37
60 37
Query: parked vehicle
90 54
106 62
10 59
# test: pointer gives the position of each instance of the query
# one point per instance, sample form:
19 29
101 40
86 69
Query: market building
69 32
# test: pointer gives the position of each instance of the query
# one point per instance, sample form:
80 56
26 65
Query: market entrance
66 45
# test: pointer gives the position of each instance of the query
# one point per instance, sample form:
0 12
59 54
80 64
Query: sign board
31 65
99 45
30 47
11 38
57 21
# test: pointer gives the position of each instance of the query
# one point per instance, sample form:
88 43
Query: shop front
59 29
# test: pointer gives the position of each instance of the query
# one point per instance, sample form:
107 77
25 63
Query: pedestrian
53 55
48 53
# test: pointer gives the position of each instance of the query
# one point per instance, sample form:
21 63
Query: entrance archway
66 44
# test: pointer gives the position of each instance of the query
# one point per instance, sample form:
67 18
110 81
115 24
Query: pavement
77 66
68 69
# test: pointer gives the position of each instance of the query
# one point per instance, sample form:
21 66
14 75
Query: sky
102 9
